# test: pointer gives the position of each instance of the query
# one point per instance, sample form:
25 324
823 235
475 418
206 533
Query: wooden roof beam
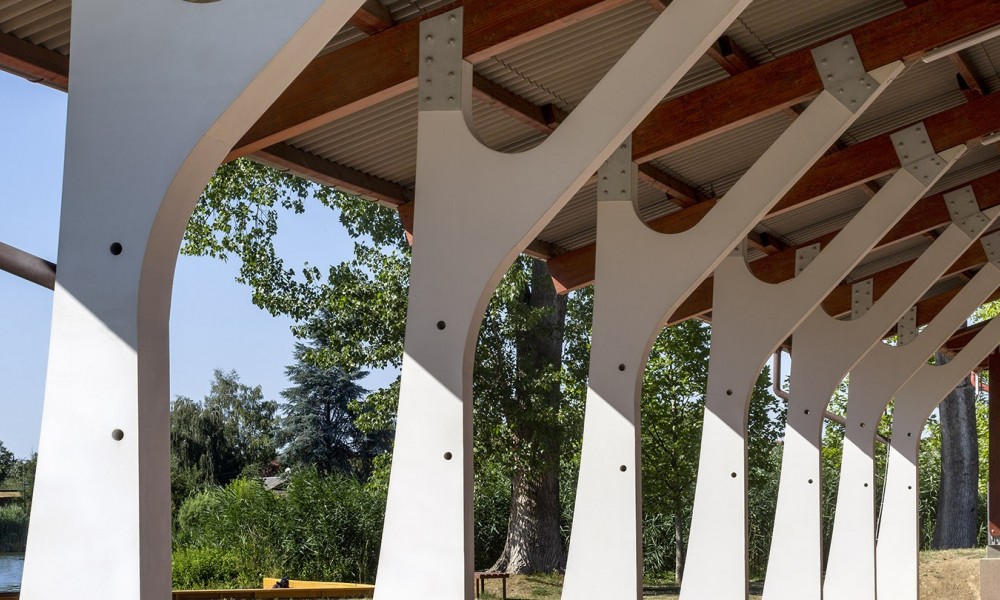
792 79
36 63
833 173
324 91
320 170
929 213
968 81
373 17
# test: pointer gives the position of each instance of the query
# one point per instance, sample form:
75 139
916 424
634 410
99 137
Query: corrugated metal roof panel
768 29
382 139
404 10
888 257
576 224
716 164
978 161
42 22
923 90
818 218
561 68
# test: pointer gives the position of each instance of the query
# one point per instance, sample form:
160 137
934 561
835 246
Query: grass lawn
944 575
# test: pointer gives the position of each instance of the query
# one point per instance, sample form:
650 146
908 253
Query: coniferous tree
319 426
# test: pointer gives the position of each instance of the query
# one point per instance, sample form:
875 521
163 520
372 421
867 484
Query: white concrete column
631 305
477 209
750 319
825 350
159 93
850 573
898 549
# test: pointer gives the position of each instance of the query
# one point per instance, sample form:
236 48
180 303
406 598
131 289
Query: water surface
11 566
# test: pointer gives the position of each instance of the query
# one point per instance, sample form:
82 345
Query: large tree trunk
957 520
534 541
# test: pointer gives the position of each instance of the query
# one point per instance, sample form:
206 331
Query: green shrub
205 568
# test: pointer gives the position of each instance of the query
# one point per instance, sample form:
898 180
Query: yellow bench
295 589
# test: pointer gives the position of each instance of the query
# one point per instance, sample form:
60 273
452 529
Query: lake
10 572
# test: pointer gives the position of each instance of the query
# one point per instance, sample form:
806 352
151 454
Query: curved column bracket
630 305
825 350
874 382
750 319
160 94
898 549
476 210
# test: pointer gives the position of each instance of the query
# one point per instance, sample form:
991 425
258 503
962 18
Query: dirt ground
950 574
944 575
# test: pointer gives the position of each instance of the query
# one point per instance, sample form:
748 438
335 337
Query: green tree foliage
319 427
228 434
673 404
7 462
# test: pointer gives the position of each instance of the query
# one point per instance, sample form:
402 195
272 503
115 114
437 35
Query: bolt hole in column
117 435
621 367
729 392
623 468
447 455
866 485
733 475
810 481
806 411
441 325
116 248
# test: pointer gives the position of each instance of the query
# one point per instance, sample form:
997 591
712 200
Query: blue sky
213 322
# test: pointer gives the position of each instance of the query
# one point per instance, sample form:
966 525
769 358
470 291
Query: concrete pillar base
989 574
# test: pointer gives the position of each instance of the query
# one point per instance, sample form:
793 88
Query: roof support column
898 549
750 320
825 350
161 92
631 305
476 210
850 573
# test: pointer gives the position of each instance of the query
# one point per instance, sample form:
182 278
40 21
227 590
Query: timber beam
834 173
320 95
34 62
326 172
792 79
389 61
373 17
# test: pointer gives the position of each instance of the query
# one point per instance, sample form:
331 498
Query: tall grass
13 527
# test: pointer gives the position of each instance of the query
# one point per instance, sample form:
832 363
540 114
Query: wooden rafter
792 78
373 17
834 173
330 173
325 91
968 81
321 94
34 62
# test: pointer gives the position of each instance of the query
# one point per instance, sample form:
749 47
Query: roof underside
377 141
